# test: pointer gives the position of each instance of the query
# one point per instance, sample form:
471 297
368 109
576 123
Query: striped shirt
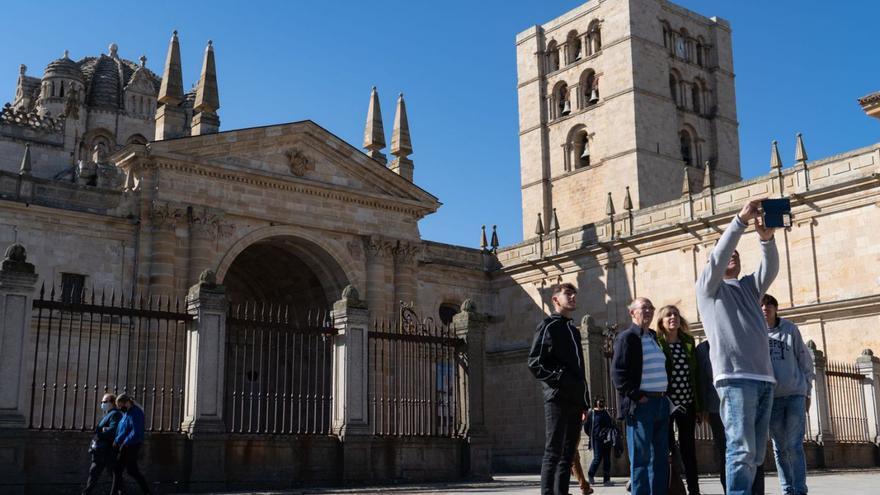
653 365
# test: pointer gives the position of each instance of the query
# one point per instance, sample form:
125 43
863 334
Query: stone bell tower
617 94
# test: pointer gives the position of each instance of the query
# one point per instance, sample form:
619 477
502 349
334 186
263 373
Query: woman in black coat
598 427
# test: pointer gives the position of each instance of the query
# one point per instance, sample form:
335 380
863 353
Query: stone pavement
863 482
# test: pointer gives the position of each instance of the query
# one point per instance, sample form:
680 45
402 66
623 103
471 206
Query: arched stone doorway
287 271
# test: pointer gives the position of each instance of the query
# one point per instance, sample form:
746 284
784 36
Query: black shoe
607 483
591 480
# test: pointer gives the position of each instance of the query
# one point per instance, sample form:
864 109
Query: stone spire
205 119
686 185
627 201
800 152
708 178
494 243
374 133
171 91
483 242
170 118
609 206
26 161
401 147
539 227
775 160
554 222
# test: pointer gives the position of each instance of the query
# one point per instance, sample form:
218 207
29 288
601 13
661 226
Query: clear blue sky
800 65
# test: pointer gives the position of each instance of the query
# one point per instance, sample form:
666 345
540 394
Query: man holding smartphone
739 352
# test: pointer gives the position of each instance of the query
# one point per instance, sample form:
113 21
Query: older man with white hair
638 370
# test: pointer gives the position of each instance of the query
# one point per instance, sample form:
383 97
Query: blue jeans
647 440
745 411
787 423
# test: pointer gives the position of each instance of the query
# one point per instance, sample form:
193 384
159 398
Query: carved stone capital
164 214
378 247
406 252
210 223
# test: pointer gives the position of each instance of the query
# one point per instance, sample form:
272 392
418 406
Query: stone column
163 222
471 326
378 253
869 365
404 272
206 357
17 281
350 414
820 405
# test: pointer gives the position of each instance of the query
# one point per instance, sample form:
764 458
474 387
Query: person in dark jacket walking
128 442
101 448
557 360
598 428
638 370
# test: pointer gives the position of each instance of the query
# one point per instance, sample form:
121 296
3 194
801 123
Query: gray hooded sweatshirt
792 362
731 310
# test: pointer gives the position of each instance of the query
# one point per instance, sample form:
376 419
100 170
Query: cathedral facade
112 176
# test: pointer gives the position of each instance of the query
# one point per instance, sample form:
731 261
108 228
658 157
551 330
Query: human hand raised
750 210
765 233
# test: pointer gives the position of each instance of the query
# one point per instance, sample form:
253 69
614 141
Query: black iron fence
417 378
278 370
849 420
89 345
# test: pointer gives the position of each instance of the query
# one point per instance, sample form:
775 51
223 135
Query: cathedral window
562 106
552 57
72 285
594 38
589 89
447 311
573 47
696 97
687 147
699 51
673 88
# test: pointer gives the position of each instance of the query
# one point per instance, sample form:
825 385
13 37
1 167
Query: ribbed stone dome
63 67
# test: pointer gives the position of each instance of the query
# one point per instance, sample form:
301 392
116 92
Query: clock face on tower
679 47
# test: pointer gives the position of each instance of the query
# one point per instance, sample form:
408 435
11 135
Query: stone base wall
36 462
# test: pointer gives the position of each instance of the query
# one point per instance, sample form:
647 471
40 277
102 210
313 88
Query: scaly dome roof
106 76
63 67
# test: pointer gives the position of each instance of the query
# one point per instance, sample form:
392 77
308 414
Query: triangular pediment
298 152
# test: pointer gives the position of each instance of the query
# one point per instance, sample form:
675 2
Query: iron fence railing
278 370
417 378
90 345
849 419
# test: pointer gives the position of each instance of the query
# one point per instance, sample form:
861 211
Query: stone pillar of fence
205 357
471 326
17 283
350 418
820 406
869 365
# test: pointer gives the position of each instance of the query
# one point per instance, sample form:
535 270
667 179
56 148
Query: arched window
681 44
447 311
573 44
700 51
581 150
594 37
589 89
673 88
687 147
560 100
552 57
696 97
668 38
61 89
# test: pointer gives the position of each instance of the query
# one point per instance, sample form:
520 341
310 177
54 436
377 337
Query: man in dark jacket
102 443
557 360
638 370
128 442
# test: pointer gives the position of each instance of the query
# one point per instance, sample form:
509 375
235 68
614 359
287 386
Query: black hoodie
557 359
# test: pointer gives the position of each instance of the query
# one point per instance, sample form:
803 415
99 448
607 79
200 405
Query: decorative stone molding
406 252
16 260
298 162
31 120
377 246
166 214
210 222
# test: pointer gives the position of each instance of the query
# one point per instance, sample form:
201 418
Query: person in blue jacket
102 443
128 442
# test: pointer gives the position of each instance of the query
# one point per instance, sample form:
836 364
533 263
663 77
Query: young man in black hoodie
557 360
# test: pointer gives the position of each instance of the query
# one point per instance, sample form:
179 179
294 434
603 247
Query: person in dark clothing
128 442
712 414
557 360
101 448
598 428
638 371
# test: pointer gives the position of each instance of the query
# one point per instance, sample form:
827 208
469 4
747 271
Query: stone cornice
277 182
